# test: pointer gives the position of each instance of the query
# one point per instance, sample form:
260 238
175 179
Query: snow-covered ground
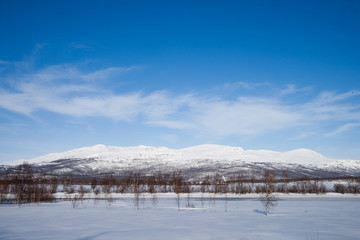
331 216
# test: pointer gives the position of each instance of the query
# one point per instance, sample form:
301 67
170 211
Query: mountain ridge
195 161
197 151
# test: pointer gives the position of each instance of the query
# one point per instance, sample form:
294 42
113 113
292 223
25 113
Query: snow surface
304 217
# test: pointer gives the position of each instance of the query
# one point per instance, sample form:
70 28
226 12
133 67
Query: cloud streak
343 128
65 89
292 89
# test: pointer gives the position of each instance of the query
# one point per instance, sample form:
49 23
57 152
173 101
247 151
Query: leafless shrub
259 189
143 201
68 185
109 200
241 187
322 189
107 183
226 203
28 187
285 179
177 181
353 188
190 205
202 200
136 189
96 191
93 183
82 190
155 200
177 199
212 201
77 200
136 200
339 188
4 189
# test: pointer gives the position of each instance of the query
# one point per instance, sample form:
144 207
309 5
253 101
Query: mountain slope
195 161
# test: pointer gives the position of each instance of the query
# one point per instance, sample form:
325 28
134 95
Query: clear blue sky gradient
276 75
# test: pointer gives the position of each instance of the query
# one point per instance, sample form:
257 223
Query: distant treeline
25 186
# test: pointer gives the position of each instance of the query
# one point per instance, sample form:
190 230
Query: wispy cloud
4 62
104 74
246 85
330 106
66 89
13 128
304 135
243 116
77 45
171 124
292 89
343 128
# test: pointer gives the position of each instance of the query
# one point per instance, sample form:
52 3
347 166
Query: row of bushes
24 186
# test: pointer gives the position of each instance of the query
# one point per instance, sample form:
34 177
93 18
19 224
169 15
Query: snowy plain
330 216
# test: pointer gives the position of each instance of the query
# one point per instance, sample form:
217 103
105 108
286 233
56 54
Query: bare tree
212 201
285 179
68 186
93 183
155 200
269 199
109 200
339 188
96 191
4 188
77 200
253 180
226 201
240 184
202 199
177 181
143 200
177 199
53 182
107 183
159 181
23 182
137 190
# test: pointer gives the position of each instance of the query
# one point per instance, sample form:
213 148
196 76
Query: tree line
25 186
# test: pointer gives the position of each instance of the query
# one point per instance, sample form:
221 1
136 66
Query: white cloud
104 74
292 89
244 116
66 89
171 124
216 116
246 85
76 45
304 135
329 106
4 62
343 128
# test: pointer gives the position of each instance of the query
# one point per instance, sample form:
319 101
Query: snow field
332 216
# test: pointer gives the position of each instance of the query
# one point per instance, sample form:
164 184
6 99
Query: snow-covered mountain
195 162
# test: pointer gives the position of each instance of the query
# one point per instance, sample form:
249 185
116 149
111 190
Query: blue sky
276 75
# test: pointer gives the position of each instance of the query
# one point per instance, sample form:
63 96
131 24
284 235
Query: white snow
123 157
303 217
